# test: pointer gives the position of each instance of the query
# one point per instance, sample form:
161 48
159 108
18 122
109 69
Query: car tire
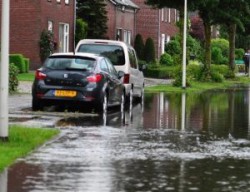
141 98
36 104
122 104
131 92
103 106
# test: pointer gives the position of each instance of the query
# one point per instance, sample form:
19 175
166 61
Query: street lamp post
4 71
184 46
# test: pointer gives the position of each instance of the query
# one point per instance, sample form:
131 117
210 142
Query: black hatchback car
78 79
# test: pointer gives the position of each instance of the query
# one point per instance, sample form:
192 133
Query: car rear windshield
114 52
70 63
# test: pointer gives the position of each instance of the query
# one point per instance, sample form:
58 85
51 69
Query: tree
149 51
94 13
197 28
81 30
46 44
232 14
139 46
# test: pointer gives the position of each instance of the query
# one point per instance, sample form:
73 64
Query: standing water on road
173 142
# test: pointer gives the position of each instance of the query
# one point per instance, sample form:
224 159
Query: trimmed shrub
47 44
239 53
139 46
216 55
222 44
178 78
166 59
173 47
19 62
81 30
160 72
13 80
149 51
27 65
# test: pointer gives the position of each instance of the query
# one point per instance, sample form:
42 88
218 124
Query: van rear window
113 52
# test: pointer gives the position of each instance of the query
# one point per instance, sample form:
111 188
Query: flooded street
172 142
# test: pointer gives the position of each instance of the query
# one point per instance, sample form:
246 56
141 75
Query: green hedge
20 61
13 80
160 72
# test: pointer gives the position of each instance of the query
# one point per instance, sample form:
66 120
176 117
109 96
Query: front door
63 37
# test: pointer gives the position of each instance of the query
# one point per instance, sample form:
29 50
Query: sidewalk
26 86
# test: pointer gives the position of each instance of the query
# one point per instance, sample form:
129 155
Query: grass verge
22 140
26 76
199 86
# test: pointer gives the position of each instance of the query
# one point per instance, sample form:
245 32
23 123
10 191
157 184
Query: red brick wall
117 18
27 20
111 11
149 24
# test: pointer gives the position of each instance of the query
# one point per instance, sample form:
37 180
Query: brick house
121 20
159 24
28 18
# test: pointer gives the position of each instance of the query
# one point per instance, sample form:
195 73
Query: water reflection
217 113
174 142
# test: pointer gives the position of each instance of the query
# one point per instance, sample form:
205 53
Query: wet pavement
170 142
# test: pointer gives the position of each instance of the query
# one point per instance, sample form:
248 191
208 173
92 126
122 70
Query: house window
162 14
66 2
58 1
50 26
63 37
163 43
169 15
118 34
165 14
127 36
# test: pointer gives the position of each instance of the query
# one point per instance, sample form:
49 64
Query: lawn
26 76
199 86
22 140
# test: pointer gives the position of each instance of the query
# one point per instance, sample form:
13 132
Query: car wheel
131 96
36 104
105 103
122 102
103 106
141 98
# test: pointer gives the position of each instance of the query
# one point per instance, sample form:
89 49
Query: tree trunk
207 62
232 32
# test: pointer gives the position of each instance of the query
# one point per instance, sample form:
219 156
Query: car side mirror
120 74
143 67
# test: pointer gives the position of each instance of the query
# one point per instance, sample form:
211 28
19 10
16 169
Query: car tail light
40 75
94 78
126 79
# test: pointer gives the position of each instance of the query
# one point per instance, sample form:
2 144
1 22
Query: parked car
123 57
78 79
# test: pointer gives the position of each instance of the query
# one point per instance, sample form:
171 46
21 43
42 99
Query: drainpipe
74 33
159 34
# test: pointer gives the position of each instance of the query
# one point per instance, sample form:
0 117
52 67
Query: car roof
103 41
78 54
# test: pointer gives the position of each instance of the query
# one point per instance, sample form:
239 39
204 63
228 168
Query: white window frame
50 25
162 14
169 15
64 40
66 2
125 36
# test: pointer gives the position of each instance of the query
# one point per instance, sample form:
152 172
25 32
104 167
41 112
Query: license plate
65 93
